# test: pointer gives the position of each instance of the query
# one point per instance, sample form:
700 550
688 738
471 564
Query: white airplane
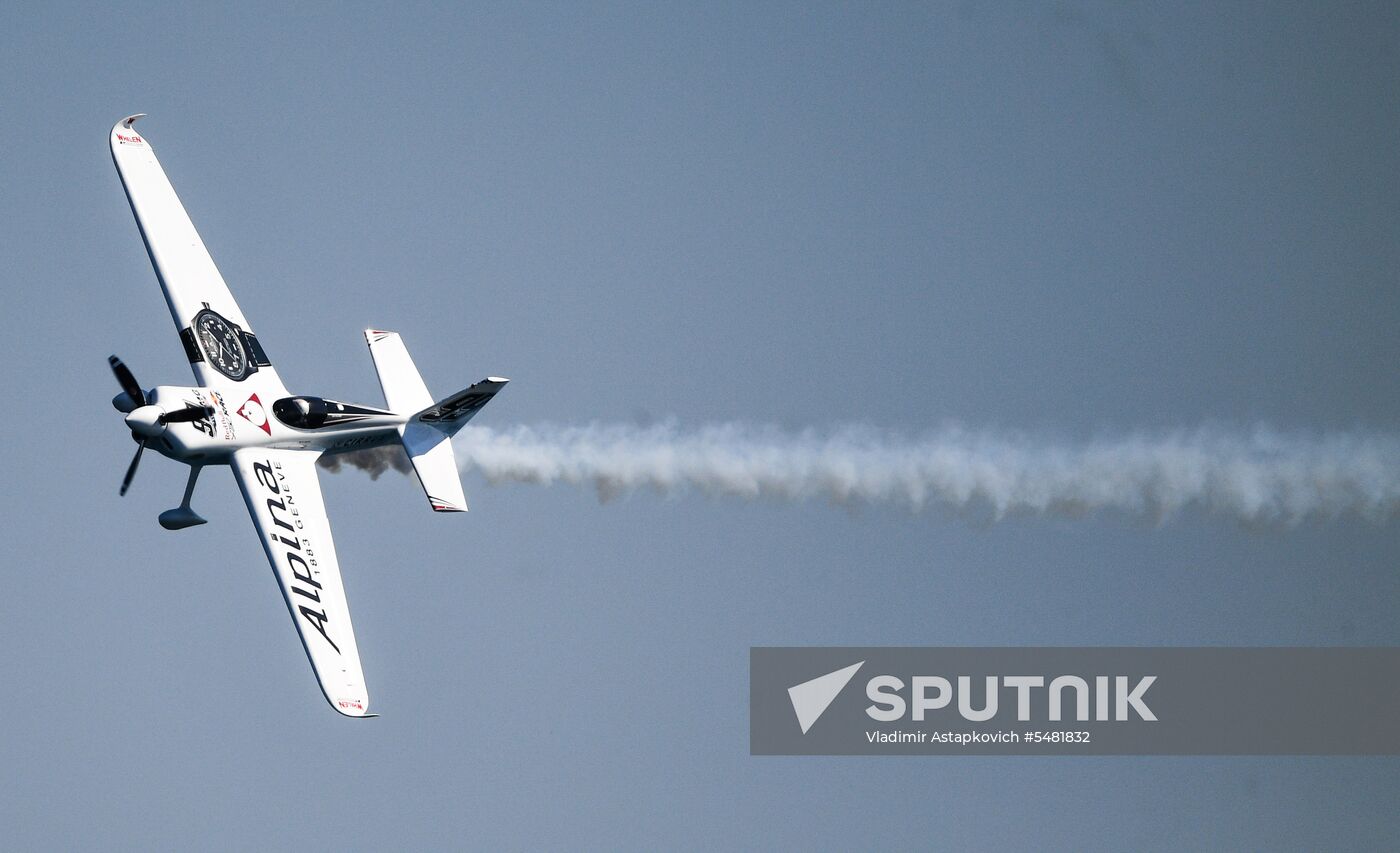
242 416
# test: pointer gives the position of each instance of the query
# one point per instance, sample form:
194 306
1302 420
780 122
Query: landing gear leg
182 516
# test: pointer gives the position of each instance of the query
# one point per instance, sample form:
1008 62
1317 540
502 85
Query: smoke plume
374 460
1256 476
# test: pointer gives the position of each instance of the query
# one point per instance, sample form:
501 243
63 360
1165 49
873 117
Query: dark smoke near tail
373 461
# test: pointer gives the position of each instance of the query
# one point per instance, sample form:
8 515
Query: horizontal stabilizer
452 413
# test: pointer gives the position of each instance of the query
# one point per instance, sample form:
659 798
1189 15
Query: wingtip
124 135
356 708
440 505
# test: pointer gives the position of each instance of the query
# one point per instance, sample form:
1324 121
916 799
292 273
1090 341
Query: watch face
222 345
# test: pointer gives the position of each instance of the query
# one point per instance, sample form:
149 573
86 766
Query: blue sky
1075 219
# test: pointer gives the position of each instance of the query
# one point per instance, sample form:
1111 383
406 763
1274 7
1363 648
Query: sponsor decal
133 139
252 411
224 420
292 551
223 343
357 441
204 424
457 408
209 425
351 703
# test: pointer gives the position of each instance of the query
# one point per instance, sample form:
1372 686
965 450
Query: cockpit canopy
317 412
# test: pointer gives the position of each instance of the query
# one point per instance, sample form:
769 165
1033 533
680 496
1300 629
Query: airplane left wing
284 500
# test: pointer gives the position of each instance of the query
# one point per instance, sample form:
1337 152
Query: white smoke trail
1256 476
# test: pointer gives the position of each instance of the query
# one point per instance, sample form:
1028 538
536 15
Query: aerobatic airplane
240 415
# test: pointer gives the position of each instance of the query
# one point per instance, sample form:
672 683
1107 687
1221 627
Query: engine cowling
146 421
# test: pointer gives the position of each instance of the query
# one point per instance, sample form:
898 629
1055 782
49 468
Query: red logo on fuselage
255 414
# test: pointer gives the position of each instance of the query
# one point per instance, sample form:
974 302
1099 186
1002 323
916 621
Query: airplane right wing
221 347
284 500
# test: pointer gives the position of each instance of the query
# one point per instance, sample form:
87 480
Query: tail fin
427 434
403 388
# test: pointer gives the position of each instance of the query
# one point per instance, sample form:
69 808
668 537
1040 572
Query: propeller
143 418
185 415
131 469
127 381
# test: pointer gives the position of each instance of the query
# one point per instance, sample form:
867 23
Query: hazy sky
1074 219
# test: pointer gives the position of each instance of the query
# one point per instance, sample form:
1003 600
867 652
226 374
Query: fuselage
289 423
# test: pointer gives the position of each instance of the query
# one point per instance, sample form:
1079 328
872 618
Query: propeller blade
187 414
131 471
127 381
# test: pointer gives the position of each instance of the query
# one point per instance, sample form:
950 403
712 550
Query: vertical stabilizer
429 449
404 391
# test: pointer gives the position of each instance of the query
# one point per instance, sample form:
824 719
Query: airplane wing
284 499
218 341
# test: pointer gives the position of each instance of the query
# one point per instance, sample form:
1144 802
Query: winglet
124 135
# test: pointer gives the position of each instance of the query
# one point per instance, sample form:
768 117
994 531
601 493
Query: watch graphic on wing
222 343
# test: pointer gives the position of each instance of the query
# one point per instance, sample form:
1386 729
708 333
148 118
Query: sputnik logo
810 699
255 414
